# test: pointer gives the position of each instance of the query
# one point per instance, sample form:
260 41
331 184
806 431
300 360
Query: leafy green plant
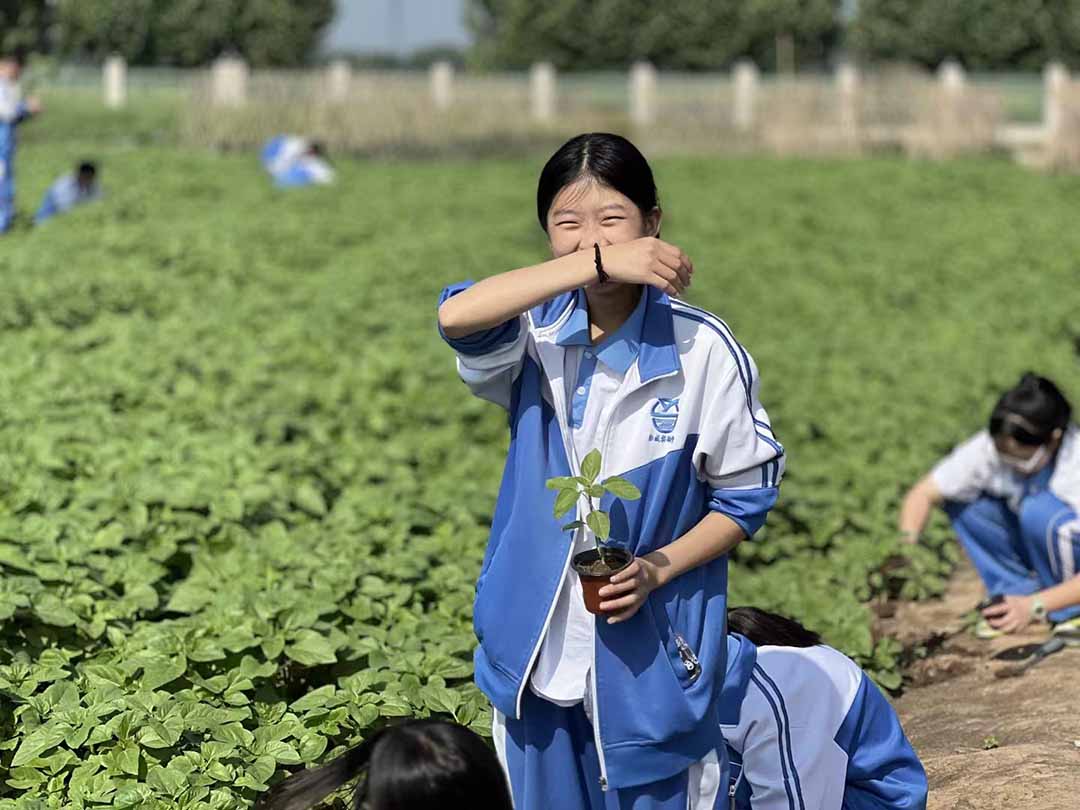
572 489
244 498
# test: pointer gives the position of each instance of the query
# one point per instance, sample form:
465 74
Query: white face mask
1025 466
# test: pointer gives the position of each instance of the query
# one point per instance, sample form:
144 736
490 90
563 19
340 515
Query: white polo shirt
974 469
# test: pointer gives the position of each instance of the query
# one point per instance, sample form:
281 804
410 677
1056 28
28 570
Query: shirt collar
621 348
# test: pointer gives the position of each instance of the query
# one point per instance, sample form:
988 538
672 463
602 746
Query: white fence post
642 93
1055 85
745 79
953 84
542 91
115 78
847 87
338 79
442 85
229 78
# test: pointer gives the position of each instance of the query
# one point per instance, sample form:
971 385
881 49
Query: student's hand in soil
648 261
628 590
1011 615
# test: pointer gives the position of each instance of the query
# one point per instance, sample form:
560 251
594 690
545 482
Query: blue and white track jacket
687 428
13 111
811 732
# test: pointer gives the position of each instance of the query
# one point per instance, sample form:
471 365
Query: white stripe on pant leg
498 736
1065 549
703 786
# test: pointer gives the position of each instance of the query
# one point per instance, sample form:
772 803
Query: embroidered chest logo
665 415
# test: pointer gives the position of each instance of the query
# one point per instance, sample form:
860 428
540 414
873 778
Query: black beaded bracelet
599 264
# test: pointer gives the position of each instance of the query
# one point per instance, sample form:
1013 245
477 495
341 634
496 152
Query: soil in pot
596 572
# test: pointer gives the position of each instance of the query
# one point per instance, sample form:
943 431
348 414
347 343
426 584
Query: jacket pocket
681 656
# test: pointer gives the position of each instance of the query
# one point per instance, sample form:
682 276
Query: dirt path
957 711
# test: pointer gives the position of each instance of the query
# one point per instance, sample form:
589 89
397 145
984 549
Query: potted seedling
597 565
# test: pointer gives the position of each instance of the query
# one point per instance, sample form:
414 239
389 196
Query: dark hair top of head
424 763
765 628
1031 411
87 167
17 55
608 159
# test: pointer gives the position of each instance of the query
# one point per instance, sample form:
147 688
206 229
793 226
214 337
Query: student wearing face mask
1012 492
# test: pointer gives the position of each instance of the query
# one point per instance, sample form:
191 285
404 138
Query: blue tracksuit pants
551 761
1020 552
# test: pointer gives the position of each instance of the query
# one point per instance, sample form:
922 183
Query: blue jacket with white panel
686 428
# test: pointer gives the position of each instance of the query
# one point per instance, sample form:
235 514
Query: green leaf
167 781
596 491
314 699
313 744
53 611
309 499
562 483
565 501
38 741
621 488
600 524
590 466
309 648
573 525
163 671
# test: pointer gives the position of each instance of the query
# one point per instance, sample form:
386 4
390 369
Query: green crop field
244 498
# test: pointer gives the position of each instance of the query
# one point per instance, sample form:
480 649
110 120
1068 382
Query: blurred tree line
577 34
780 34
168 32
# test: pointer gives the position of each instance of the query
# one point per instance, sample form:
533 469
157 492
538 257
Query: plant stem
596 540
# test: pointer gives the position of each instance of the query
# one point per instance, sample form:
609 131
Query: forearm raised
499 298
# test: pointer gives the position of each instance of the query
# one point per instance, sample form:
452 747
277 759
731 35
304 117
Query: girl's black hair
1039 403
609 159
424 763
763 627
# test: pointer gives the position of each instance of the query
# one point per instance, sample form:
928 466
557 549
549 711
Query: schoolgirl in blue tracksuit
806 729
13 111
594 350
1012 492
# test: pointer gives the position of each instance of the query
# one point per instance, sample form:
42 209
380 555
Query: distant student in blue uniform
415 765
593 349
1012 492
807 727
13 111
293 161
66 192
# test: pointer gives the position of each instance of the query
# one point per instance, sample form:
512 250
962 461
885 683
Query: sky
396 26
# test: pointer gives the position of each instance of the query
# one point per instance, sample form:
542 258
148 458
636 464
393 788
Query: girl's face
586 212
1026 459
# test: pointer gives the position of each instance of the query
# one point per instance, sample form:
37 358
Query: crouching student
293 161
66 192
806 726
1012 492
418 764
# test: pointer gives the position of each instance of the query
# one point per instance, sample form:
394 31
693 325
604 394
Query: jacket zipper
560 407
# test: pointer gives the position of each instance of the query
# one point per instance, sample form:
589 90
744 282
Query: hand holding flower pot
596 566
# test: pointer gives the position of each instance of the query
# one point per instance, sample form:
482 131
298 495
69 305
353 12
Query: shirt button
581 389
588 355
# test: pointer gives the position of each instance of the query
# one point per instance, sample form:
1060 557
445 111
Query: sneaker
1069 630
984 631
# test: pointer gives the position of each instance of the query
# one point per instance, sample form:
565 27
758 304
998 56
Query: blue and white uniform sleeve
884 772
490 360
737 454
